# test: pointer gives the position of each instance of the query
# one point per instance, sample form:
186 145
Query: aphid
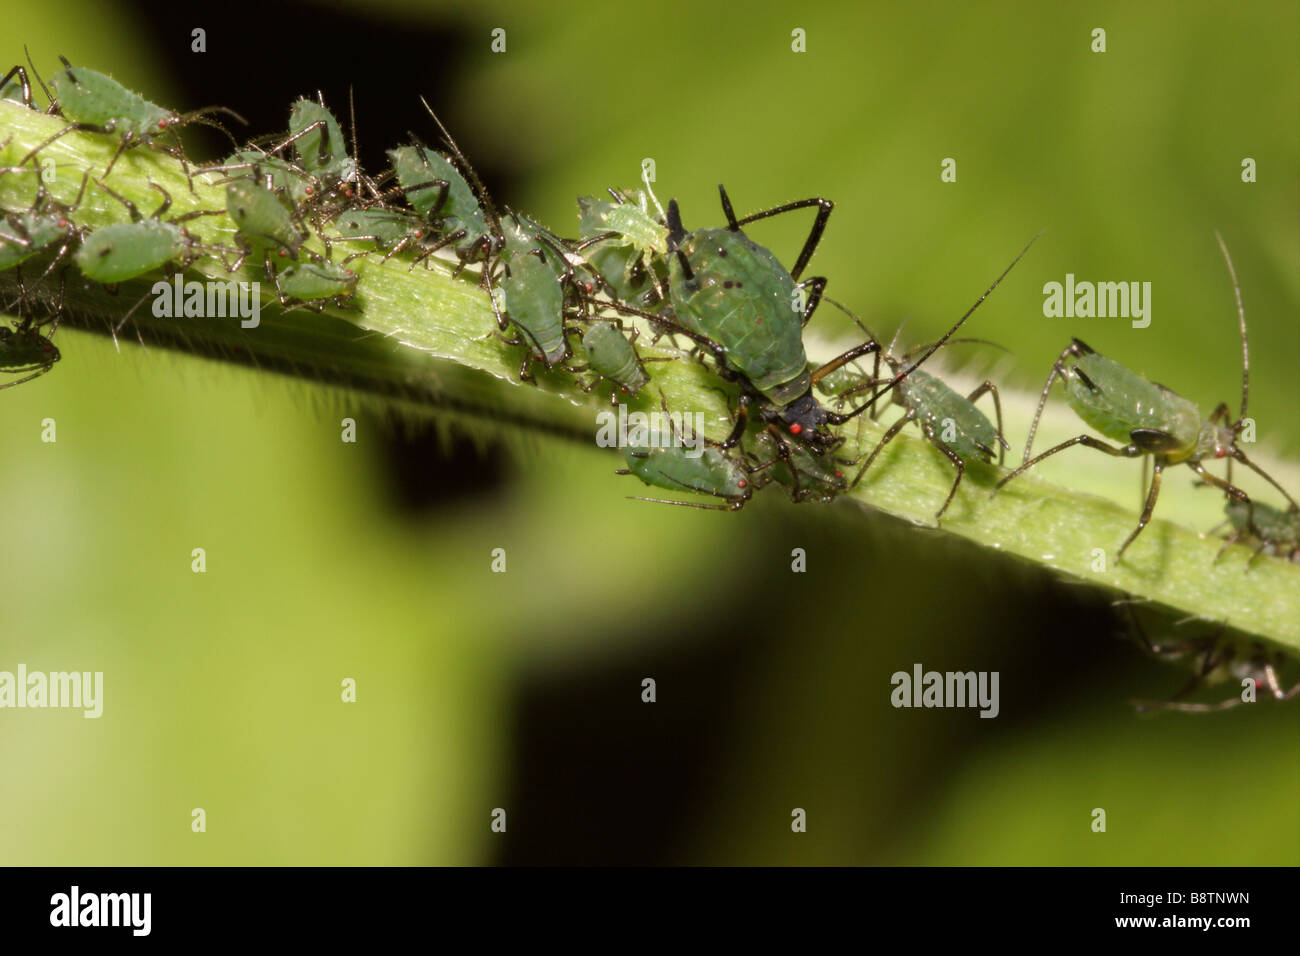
804 474
324 169
1276 533
625 245
1151 419
125 250
670 465
613 357
314 282
440 194
26 234
99 104
23 349
735 298
20 92
1223 657
391 230
950 422
263 222
531 294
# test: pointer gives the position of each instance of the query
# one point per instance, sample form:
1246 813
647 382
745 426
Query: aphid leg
1128 451
885 439
814 236
22 78
1233 492
956 462
992 389
1058 369
1157 468
130 206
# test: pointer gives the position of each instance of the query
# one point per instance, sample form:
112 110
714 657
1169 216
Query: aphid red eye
1220 453
308 190
283 254
742 483
162 124
838 473
796 428
63 224
419 234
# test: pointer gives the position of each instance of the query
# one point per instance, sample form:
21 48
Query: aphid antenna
645 178
1241 321
36 73
467 169
964 340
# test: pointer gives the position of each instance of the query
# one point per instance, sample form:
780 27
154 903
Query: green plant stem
428 337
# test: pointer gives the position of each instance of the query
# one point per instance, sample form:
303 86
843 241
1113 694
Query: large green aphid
625 245
97 103
24 235
734 297
264 223
668 464
125 250
1151 420
1277 532
950 421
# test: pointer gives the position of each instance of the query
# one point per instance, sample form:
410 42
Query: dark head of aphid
806 420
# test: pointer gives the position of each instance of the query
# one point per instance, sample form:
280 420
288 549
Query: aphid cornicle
1151 419
97 103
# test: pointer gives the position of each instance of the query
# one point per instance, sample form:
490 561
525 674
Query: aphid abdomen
610 354
1119 402
99 100
261 217
741 297
311 280
460 210
950 417
125 250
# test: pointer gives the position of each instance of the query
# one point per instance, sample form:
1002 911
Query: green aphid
280 176
532 298
1150 419
626 246
263 221
26 234
125 250
1277 531
391 230
613 357
97 103
950 421
315 281
709 470
440 194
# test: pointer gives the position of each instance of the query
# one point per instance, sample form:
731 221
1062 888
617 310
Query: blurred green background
521 690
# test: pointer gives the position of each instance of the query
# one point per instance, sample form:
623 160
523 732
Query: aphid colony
574 305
